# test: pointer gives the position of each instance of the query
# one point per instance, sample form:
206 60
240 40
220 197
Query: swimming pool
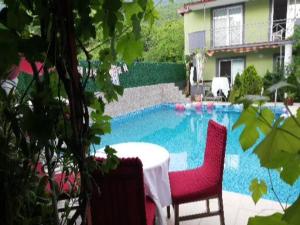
183 134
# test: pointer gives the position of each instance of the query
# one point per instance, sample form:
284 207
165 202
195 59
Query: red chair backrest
215 150
118 197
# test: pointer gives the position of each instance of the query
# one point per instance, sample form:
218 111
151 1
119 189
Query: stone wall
146 96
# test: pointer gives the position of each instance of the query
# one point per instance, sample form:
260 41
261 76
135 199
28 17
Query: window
227 26
230 68
196 41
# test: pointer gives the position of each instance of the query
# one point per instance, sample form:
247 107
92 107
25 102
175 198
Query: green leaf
112 161
291 171
247 117
2 27
279 85
275 149
151 14
292 214
136 26
290 135
109 151
17 19
248 137
250 134
8 51
267 116
258 189
275 219
131 9
269 154
130 48
96 140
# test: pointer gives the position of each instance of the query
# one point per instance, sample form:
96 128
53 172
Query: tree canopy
164 42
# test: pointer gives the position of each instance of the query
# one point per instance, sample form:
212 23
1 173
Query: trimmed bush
235 91
251 82
142 74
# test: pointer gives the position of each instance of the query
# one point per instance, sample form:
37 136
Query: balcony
264 33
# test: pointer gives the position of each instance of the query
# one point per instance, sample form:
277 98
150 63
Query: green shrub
272 78
294 80
237 81
251 82
235 91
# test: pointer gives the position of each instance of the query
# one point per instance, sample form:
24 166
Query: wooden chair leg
176 214
168 212
222 219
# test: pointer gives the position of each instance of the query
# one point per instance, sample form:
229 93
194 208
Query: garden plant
56 120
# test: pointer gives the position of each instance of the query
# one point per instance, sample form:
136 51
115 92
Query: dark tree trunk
66 65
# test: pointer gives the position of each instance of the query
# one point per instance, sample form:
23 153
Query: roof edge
186 8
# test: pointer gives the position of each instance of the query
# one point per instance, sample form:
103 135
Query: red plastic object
179 107
198 106
210 105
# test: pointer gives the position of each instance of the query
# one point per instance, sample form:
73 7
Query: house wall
256 19
196 21
262 61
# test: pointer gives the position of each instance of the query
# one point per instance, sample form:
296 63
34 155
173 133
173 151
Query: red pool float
210 105
179 107
198 106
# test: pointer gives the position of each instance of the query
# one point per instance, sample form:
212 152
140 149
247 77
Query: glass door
237 66
230 68
225 69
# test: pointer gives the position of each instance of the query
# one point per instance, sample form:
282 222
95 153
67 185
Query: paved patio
237 207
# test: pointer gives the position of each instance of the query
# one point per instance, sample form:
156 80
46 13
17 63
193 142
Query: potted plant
289 99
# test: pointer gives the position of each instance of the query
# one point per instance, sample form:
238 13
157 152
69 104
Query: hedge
141 74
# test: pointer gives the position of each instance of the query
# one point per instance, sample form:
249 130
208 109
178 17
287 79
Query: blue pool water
184 136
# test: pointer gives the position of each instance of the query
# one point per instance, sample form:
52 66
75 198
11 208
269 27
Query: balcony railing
251 33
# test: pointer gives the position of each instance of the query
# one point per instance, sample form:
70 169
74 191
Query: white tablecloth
220 83
155 161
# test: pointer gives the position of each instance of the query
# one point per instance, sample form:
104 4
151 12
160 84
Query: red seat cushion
150 211
192 185
67 184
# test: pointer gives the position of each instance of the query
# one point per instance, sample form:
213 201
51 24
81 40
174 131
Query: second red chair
204 182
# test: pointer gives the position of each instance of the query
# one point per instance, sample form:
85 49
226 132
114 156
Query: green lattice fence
139 74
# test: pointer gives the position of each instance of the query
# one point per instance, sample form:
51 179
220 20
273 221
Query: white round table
155 161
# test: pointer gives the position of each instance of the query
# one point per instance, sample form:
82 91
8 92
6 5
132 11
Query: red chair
118 197
204 182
